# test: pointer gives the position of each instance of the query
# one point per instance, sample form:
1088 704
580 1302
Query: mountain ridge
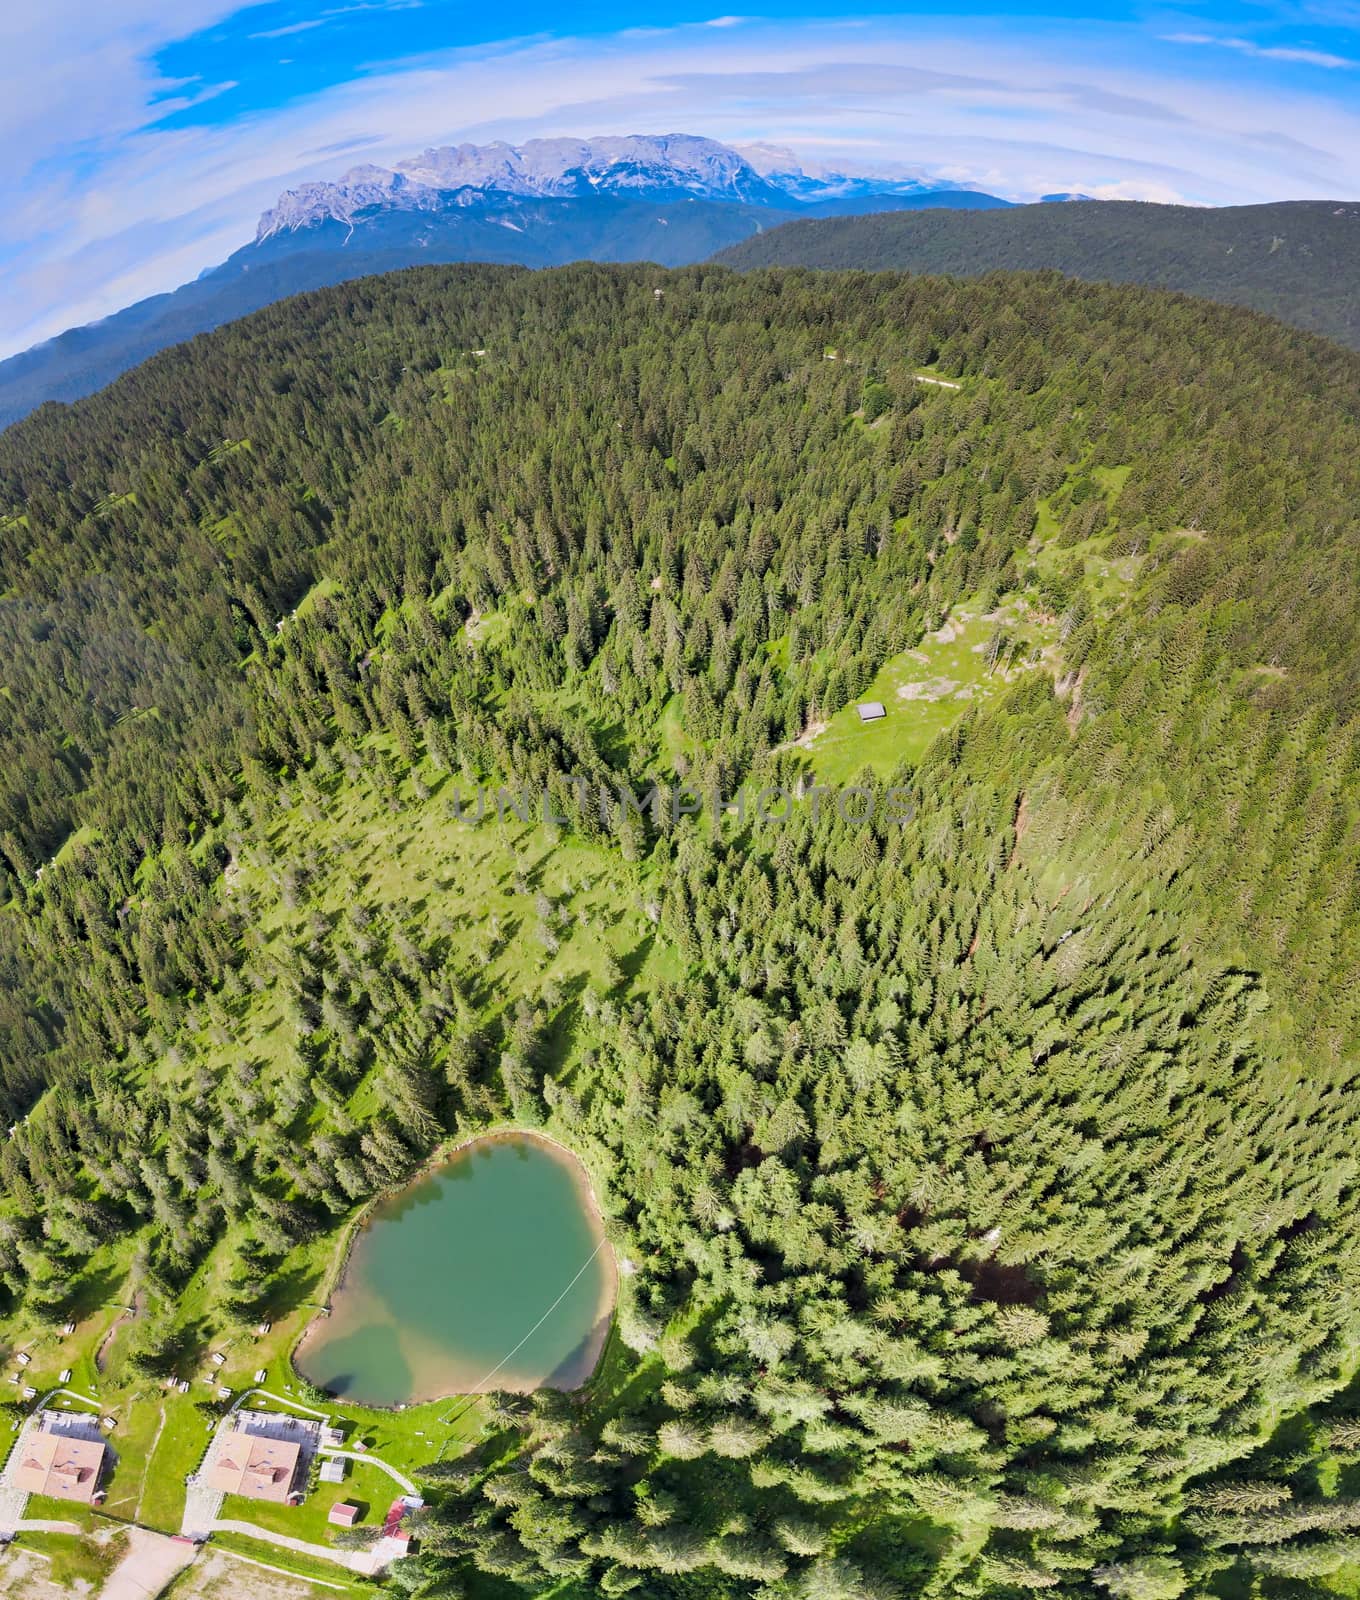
1297 260
673 165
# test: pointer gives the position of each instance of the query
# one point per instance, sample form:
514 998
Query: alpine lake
489 1271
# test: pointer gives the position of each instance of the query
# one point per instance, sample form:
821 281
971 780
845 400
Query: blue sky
142 139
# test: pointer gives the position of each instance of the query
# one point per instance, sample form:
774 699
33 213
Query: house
331 1436
257 1467
60 1466
344 1514
871 711
333 1471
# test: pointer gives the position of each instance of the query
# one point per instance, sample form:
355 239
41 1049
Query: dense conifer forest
1293 259
985 1184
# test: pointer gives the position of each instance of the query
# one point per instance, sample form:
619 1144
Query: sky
141 139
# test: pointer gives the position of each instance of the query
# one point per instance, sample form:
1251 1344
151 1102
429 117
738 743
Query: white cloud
1247 47
1161 194
77 73
293 27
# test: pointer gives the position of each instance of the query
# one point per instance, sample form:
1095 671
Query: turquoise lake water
487 1272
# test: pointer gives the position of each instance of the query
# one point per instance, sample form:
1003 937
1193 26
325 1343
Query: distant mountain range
671 199
1297 260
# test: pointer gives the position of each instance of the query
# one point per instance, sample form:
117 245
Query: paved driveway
203 1504
12 1498
152 1559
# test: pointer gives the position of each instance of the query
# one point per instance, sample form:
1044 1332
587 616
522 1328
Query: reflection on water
486 1272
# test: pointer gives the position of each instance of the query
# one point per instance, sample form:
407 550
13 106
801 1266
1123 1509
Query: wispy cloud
292 27
1296 55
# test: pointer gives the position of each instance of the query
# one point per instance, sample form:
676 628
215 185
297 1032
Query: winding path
283 1400
364 1563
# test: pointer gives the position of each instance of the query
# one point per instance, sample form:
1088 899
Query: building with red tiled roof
60 1466
254 1466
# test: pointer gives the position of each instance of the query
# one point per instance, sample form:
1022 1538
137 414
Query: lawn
365 1485
406 1440
178 1452
333 1578
138 1422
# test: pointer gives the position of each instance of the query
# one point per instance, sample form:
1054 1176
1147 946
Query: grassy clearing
405 852
925 691
492 628
94 1304
677 747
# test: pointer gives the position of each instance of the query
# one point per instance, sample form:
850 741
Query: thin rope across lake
489 1271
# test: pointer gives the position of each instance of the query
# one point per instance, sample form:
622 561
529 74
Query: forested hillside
984 1185
525 232
1296 260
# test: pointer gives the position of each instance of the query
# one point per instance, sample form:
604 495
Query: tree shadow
89 1291
288 1291
633 963
558 1038
576 1369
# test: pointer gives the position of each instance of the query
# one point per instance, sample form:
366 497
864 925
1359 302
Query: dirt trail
101 1356
150 1457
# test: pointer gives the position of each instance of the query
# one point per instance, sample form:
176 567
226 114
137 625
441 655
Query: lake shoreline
593 1346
